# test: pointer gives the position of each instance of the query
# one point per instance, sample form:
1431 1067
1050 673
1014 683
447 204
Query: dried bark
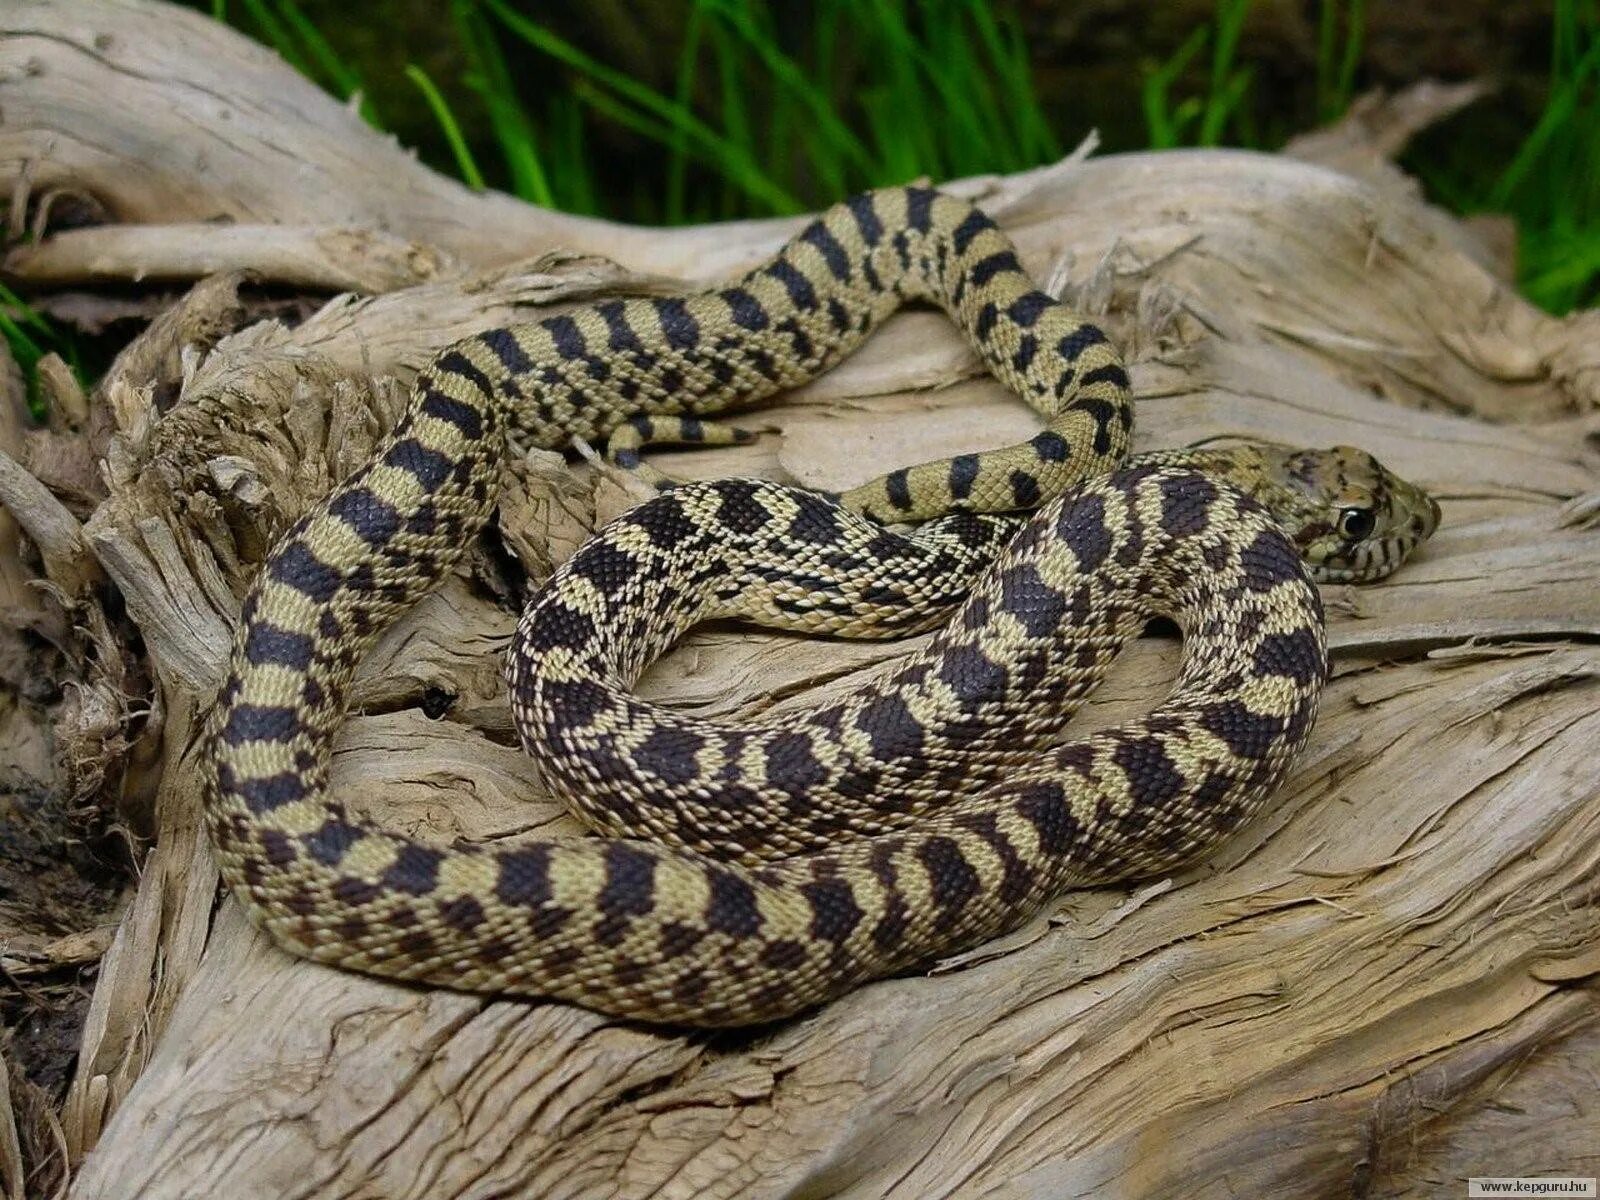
1337 1000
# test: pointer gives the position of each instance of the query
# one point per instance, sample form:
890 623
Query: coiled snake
788 864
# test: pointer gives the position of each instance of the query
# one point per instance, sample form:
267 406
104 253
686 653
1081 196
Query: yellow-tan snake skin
789 864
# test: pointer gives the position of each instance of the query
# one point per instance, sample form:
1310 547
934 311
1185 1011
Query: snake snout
1424 527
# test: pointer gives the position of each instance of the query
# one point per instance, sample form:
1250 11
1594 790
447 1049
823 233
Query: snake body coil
676 932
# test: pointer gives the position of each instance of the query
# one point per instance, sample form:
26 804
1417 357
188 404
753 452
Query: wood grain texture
1384 985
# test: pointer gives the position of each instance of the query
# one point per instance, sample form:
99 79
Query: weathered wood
1331 1003
355 260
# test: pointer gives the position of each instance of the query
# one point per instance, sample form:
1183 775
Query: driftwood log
1384 986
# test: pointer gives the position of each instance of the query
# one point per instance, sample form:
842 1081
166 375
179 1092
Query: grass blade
653 110
513 130
1163 123
448 126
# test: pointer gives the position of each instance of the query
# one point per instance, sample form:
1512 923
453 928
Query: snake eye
1355 523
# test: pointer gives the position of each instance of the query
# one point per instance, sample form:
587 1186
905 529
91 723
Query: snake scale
787 864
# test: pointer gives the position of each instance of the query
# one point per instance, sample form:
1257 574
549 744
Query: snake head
1355 520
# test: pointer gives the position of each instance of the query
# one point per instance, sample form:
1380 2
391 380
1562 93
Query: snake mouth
1378 559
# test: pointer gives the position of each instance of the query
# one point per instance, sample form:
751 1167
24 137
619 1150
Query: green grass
756 122
763 112
1340 30
30 336
939 90
1204 117
1550 184
759 122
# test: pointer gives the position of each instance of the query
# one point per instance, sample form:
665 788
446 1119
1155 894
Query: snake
751 873
958 715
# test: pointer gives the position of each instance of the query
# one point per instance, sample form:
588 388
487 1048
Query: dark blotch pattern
867 220
897 486
746 311
524 877
1025 310
919 208
963 474
630 887
556 624
606 566
665 522
1104 413
1044 805
894 731
888 935
259 723
792 764
1034 603
1024 489
468 420
1186 504
1268 561
266 645
974 223
835 913
270 792
1072 346
1050 447
732 908
833 254
565 336
297 567
456 363
741 511
1153 778
1247 733
430 467
669 755
462 913
972 676
375 520
678 325
1026 349
783 955
814 523
1297 655
621 336
801 293
952 882
328 844
1082 527
502 343
1000 262
415 870
1110 373
574 703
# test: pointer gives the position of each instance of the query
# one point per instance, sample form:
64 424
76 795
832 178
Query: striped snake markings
788 862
